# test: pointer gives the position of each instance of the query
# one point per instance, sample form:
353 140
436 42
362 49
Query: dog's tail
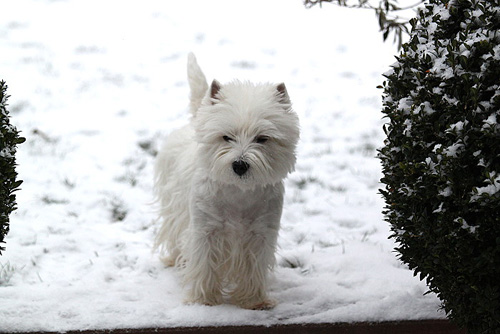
197 83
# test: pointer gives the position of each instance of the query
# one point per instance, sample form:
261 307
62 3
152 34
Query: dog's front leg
203 259
258 252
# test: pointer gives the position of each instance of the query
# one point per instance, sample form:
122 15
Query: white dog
219 183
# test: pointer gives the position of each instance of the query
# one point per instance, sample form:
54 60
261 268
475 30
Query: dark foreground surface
399 327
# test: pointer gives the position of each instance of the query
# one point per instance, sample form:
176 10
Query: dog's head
247 133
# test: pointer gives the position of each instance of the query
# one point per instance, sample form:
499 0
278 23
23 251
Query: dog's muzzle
240 167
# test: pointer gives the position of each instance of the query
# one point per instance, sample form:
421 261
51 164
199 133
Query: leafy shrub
9 138
441 158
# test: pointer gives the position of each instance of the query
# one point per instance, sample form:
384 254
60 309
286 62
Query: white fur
220 228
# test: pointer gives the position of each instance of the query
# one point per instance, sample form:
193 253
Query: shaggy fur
219 183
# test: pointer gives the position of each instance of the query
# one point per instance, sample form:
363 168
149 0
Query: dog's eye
228 139
261 139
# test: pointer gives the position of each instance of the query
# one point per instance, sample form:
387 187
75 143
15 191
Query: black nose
240 167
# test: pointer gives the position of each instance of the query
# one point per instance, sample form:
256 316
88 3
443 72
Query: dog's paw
267 304
168 261
212 299
205 302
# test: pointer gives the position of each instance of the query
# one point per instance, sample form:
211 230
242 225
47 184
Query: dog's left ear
283 94
214 90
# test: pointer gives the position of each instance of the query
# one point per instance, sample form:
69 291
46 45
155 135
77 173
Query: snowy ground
96 85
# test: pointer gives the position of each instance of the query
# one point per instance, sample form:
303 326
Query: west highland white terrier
219 184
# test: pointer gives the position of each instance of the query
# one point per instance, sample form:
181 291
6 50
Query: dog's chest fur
230 208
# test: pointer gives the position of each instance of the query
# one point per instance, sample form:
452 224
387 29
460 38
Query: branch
388 21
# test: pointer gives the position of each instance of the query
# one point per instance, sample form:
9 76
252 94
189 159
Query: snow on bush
441 159
9 138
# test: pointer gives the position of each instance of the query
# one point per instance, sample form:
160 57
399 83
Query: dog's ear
214 90
283 94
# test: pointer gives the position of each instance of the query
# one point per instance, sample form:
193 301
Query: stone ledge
390 327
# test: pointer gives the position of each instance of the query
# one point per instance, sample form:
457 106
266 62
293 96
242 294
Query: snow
446 192
95 86
454 149
491 189
457 127
491 121
465 226
426 106
405 105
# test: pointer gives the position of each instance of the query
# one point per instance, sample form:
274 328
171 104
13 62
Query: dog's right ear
214 91
283 94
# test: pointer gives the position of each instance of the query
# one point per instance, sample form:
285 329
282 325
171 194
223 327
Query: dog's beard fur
219 185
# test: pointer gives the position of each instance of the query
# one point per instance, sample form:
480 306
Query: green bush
9 138
441 157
